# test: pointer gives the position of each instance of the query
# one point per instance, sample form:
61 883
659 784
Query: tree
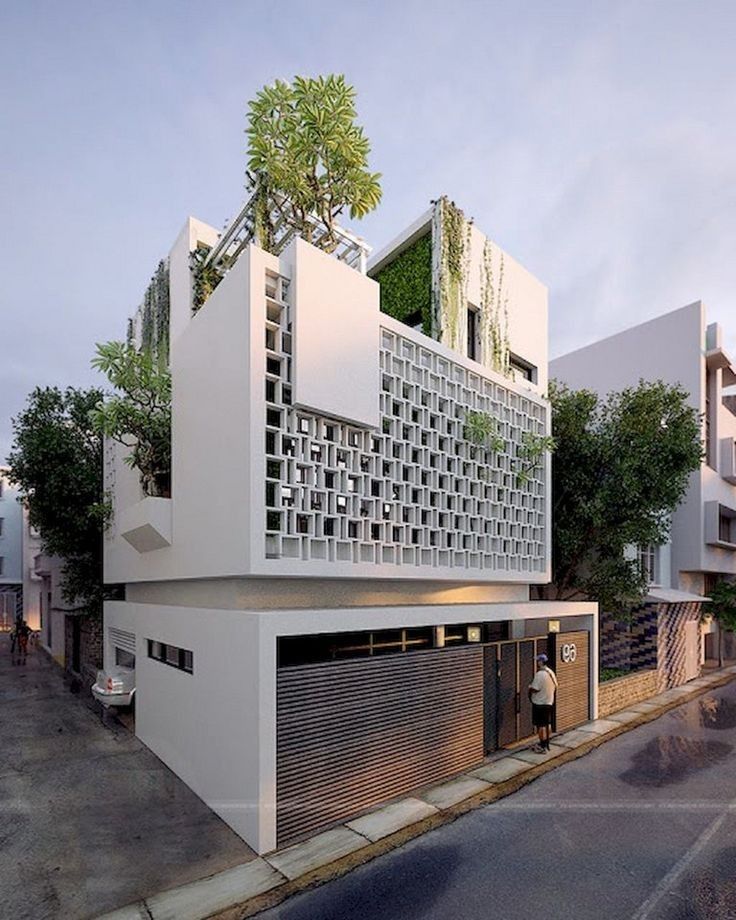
620 468
56 461
304 146
139 418
723 608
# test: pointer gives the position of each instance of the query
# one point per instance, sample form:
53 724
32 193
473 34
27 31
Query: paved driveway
90 819
644 827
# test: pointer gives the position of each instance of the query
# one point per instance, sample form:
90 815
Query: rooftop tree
620 468
304 146
56 461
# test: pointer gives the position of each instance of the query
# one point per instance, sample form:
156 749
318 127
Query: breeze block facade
333 606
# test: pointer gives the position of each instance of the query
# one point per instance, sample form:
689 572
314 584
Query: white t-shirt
543 687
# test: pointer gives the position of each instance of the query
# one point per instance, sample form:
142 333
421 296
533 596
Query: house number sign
569 652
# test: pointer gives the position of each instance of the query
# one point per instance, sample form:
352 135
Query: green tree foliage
406 285
56 461
723 608
303 143
140 416
620 468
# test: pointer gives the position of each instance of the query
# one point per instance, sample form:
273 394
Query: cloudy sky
595 142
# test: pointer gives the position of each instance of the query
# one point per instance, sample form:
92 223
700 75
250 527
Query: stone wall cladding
617 694
672 642
632 644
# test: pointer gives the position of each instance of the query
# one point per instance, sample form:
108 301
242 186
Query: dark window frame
182 659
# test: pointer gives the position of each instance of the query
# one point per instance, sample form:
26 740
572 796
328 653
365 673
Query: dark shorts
541 715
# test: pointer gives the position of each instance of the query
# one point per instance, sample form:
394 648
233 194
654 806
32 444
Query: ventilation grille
415 493
122 639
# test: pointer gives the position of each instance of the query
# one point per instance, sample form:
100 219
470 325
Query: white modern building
32 581
332 607
11 552
679 348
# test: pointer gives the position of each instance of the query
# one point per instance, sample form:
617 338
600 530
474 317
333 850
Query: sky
595 142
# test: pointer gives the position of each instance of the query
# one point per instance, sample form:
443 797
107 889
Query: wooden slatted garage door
351 734
571 664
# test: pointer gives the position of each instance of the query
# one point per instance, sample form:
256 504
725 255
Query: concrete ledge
391 818
200 899
317 851
449 794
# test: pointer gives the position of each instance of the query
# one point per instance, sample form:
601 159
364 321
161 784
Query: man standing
542 694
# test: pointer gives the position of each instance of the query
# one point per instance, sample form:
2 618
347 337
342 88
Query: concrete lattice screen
414 493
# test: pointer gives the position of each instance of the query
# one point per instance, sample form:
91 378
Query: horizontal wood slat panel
351 734
317 763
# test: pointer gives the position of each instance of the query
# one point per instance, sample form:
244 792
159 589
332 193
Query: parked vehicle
115 686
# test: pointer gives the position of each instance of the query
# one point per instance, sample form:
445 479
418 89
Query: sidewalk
266 881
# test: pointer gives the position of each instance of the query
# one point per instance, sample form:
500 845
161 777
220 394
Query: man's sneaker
538 749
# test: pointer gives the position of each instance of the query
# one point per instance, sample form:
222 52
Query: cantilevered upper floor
316 435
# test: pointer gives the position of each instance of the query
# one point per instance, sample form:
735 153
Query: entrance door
508 670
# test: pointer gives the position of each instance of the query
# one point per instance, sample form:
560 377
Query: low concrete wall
621 692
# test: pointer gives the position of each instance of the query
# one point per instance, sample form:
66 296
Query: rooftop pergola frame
241 231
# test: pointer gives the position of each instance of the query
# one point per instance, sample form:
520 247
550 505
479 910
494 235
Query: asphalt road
644 827
90 819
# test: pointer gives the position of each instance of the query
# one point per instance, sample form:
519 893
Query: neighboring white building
333 606
32 581
11 552
679 348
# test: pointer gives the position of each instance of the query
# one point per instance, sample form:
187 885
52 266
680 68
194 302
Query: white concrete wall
205 725
216 728
527 303
214 368
336 320
192 233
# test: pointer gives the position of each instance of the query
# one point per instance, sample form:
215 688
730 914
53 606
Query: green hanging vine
155 311
205 278
494 315
454 230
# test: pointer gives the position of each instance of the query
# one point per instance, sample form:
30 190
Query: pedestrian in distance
24 631
14 637
542 692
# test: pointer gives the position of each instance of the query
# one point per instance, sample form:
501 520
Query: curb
216 897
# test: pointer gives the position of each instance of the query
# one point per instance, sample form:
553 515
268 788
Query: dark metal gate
508 669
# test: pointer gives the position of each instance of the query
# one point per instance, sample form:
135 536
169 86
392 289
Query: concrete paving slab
320 850
574 738
645 707
201 899
599 726
392 818
626 715
131 912
500 770
554 751
449 794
